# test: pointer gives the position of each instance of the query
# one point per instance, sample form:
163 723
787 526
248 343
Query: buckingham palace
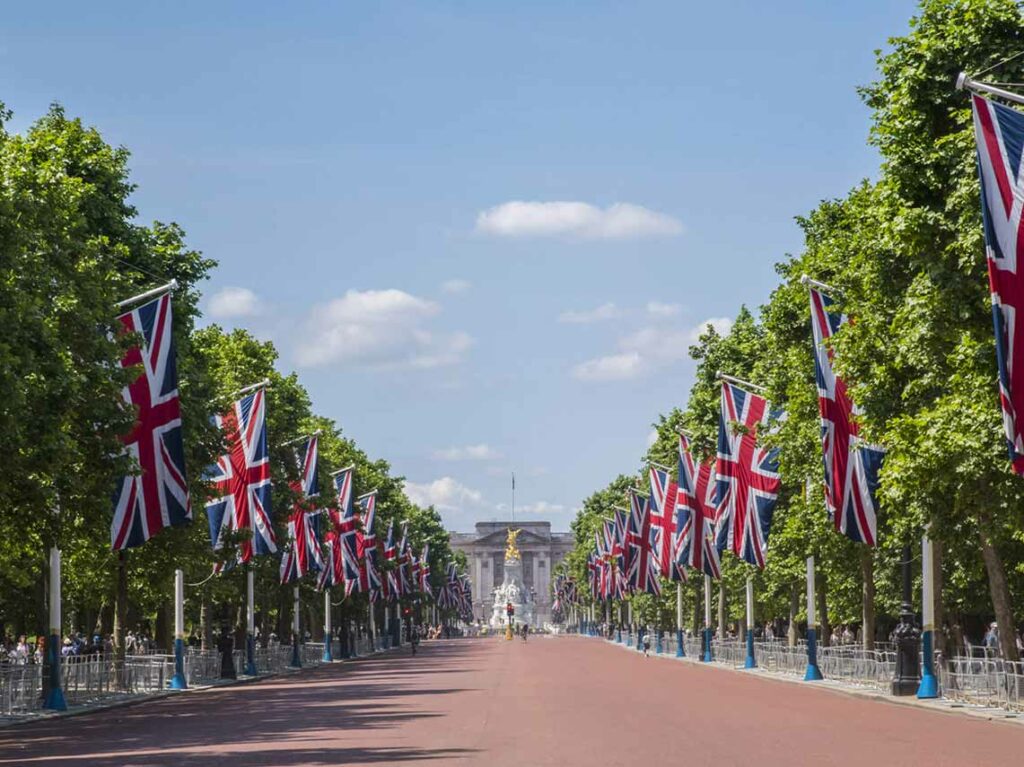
541 551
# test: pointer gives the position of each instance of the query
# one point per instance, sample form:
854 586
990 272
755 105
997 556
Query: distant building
541 551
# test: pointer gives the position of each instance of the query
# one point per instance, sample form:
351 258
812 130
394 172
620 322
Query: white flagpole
296 606
55 694
813 672
929 686
963 82
250 623
178 681
751 661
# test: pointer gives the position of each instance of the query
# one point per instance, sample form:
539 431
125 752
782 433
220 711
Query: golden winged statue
511 550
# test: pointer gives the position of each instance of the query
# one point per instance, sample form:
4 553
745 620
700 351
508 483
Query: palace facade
541 551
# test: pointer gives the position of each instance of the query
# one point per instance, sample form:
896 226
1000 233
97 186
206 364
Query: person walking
524 631
647 645
414 639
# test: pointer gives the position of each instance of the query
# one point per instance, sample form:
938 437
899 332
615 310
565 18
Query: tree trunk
826 627
998 587
794 608
162 635
867 574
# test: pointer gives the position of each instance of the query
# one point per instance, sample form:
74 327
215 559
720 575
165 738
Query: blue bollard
680 653
296 658
178 680
929 687
751 661
813 673
55 695
658 645
328 650
708 655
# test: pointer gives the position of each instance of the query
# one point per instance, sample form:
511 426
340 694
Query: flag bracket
965 83
732 379
169 287
806 280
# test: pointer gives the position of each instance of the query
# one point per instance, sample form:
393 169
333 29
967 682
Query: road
550 701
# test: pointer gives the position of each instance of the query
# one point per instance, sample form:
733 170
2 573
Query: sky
484 234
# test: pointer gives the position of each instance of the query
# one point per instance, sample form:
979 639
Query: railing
88 678
984 681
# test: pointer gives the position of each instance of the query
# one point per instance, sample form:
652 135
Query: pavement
548 701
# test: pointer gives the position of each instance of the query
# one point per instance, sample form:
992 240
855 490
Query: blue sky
483 233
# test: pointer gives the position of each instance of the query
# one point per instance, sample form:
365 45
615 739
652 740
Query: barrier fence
89 678
980 679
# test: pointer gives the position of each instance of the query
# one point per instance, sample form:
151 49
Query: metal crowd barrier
88 678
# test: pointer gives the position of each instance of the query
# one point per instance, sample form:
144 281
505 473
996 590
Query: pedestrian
647 645
414 639
524 631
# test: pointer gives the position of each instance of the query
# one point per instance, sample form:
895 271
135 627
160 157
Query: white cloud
378 329
520 218
481 452
607 311
444 494
646 350
456 286
721 324
613 367
541 508
658 309
232 302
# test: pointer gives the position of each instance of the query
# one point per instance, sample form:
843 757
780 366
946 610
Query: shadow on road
304 718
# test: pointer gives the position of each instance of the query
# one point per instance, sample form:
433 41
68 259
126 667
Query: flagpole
339 471
373 628
963 82
250 623
317 433
328 632
708 656
296 657
55 694
751 661
178 681
929 687
679 620
172 285
813 672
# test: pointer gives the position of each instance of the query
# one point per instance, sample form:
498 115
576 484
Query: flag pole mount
806 280
739 381
965 83
169 287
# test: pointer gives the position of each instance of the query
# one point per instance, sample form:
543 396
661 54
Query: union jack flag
594 575
392 584
242 477
620 550
663 520
747 475
424 584
851 465
643 569
610 551
696 510
999 133
404 562
303 552
346 525
146 503
332 573
366 546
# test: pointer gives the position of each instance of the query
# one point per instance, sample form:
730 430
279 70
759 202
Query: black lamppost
908 638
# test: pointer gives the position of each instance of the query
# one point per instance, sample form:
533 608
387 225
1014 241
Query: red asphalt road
550 701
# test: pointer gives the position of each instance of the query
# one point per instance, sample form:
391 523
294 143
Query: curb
939 706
